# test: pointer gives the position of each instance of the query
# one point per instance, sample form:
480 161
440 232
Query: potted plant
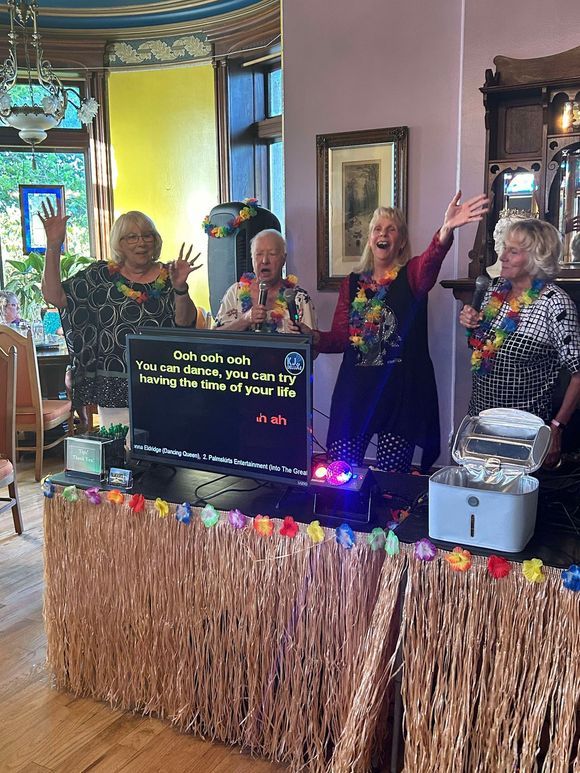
25 276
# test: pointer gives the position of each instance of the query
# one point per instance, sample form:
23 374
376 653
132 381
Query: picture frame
31 199
356 172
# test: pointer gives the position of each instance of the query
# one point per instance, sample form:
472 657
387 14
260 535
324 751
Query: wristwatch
557 424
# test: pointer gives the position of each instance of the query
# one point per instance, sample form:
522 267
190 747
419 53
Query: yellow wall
164 154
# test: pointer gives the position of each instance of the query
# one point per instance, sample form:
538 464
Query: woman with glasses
9 309
102 304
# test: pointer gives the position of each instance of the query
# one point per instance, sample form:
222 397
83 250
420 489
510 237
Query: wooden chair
33 414
8 436
203 319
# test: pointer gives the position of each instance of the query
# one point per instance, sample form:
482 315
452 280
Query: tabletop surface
556 540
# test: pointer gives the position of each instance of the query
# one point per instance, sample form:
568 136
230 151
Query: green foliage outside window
22 273
26 277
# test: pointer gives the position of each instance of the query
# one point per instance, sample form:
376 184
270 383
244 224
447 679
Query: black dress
397 394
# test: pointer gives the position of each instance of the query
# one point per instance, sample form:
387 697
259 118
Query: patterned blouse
96 321
231 310
526 367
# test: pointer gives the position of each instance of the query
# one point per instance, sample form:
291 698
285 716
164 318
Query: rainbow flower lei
486 344
280 305
153 292
366 310
219 231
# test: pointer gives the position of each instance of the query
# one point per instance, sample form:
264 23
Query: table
288 647
52 365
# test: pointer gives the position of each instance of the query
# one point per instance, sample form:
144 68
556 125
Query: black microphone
290 298
481 285
262 298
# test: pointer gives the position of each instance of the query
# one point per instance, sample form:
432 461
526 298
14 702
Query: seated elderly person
9 309
527 330
240 308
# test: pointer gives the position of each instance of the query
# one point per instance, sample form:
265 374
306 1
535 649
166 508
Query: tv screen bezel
301 342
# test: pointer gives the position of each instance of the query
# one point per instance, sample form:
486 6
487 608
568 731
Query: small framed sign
120 478
85 457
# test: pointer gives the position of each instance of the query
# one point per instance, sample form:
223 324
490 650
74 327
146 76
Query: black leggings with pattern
394 453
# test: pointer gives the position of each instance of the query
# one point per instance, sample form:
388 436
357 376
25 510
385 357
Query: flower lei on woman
154 291
280 305
486 344
219 231
367 307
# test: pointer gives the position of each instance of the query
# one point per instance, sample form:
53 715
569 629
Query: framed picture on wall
356 172
31 199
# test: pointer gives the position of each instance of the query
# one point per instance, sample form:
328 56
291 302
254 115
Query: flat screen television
231 403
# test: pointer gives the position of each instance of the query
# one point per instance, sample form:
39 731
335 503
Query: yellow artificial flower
315 531
532 570
162 507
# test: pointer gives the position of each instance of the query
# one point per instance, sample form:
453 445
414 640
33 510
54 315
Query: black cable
208 482
228 490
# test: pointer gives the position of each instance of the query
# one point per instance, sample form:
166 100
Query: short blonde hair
542 242
124 224
366 262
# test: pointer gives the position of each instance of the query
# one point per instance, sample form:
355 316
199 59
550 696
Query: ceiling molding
141 20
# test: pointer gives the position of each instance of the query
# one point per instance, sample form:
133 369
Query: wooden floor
45 730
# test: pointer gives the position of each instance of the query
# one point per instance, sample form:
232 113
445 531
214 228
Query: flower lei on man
367 307
280 305
219 231
486 344
154 291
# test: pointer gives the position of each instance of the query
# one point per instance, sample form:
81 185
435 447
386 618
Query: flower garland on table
485 345
154 291
459 559
219 231
365 316
280 305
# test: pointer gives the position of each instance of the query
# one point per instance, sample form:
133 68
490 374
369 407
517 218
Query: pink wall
377 63
357 66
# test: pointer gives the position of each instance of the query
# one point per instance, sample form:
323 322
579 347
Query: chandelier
46 98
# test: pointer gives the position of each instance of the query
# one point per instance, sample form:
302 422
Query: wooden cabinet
532 156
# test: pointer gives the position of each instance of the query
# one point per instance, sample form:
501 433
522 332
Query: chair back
28 395
203 319
8 404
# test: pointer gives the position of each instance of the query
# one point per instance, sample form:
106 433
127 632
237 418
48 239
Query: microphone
481 285
262 298
290 298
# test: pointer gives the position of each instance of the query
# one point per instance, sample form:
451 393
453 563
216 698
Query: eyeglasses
134 238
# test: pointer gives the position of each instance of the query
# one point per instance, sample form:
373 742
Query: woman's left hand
553 458
471 211
181 268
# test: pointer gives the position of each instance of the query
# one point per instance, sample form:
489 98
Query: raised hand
470 211
54 224
181 268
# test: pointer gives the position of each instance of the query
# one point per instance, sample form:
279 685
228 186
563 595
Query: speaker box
229 257
351 502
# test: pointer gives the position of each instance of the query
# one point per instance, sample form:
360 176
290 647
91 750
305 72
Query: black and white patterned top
526 366
96 321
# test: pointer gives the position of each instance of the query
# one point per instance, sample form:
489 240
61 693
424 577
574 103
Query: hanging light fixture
47 98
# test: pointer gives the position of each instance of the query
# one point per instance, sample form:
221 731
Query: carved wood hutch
532 157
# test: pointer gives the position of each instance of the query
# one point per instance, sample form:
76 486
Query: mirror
565 202
515 195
